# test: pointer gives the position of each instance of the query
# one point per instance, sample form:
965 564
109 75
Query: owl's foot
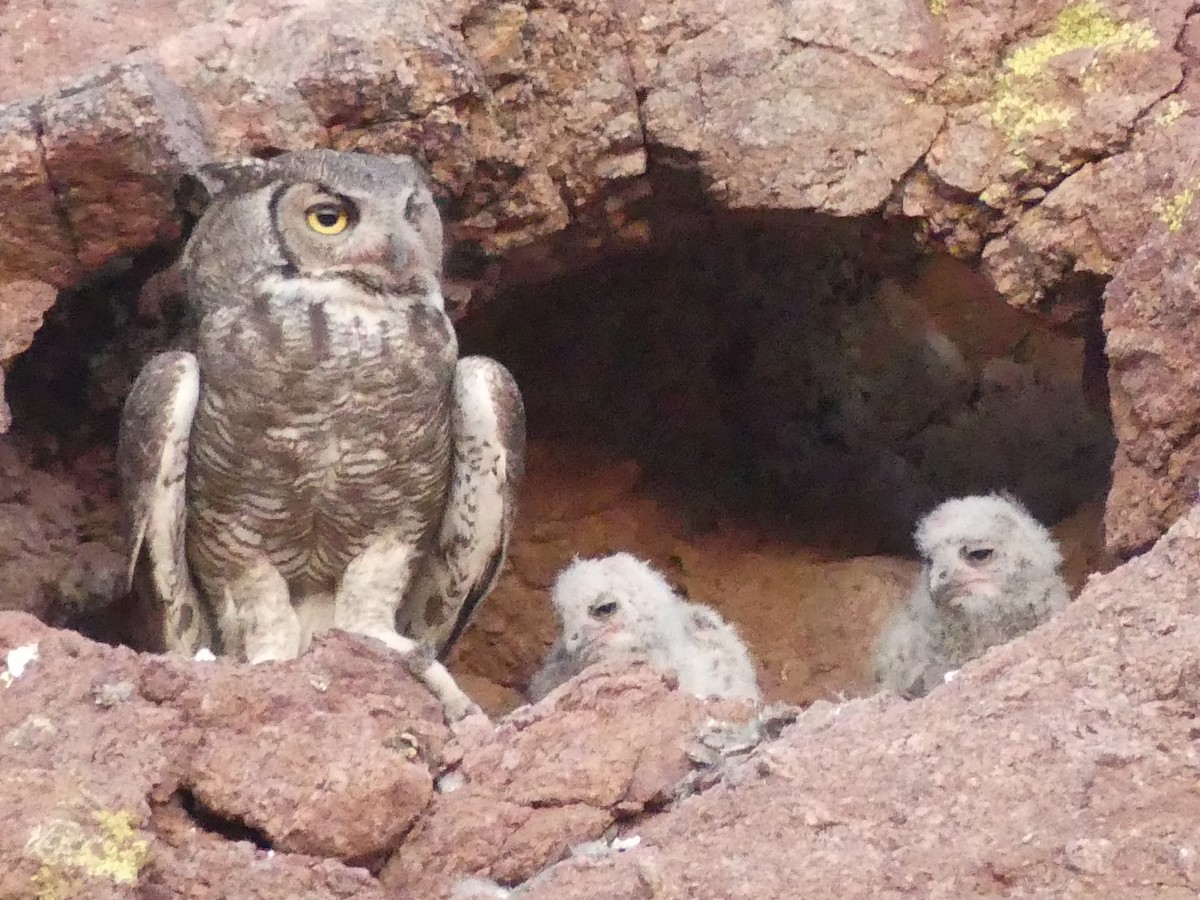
420 662
365 603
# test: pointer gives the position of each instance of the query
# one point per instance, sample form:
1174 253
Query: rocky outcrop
131 775
1048 139
527 114
1060 764
1054 143
60 557
1153 339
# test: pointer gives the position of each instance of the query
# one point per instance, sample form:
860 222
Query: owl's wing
488 423
904 656
152 453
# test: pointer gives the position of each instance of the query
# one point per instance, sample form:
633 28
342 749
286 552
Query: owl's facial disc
959 574
325 232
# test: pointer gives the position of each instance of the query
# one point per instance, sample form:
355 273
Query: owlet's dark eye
327 218
979 554
604 610
412 207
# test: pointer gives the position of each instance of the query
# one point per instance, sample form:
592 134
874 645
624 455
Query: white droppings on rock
205 655
15 662
451 782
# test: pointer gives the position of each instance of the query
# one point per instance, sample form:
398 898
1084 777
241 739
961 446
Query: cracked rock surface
128 775
1061 764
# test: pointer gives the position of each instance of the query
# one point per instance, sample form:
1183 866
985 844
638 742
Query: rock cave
761 403
773 285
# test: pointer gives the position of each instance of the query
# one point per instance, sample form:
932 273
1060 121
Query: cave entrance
763 404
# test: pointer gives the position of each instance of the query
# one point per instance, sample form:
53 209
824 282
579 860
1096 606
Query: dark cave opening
827 376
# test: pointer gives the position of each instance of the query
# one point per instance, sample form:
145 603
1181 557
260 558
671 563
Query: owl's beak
402 255
941 587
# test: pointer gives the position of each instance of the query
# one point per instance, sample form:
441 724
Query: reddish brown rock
1099 217
80 750
115 146
35 242
338 767
22 306
1058 764
607 745
1033 95
1150 317
530 116
770 123
60 557
118 767
221 871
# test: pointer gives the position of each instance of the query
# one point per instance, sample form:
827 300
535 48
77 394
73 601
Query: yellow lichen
1174 211
49 884
938 7
122 853
994 195
113 852
1173 110
1016 105
1021 115
1081 25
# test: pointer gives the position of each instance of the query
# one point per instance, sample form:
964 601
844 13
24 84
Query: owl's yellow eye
327 218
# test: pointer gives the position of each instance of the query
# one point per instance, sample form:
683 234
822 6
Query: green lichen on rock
1173 211
1018 107
70 853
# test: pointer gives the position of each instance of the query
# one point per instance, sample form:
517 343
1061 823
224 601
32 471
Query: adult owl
991 573
323 459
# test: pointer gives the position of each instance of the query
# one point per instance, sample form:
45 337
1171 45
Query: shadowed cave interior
761 403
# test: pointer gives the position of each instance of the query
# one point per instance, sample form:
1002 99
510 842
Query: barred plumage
336 439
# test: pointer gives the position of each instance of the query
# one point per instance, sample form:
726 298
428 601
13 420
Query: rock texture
528 114
1052 141
153 776
60 558
1059 765
1153 341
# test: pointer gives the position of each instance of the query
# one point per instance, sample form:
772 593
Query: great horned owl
991 573
324 458
617 607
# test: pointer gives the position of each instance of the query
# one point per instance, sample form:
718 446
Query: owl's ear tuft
196 190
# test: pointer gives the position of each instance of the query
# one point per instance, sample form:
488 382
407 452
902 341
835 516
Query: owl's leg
365 603
259 601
